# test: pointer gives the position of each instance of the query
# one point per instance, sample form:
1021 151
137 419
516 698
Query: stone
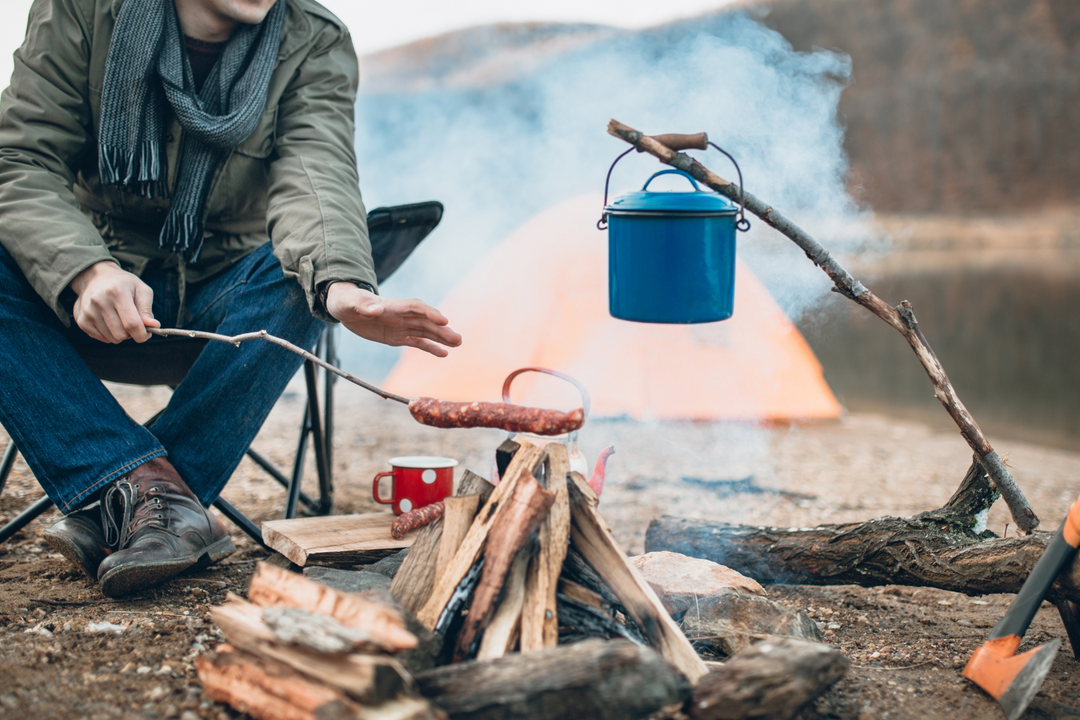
681 581
390 564
350 581
732 621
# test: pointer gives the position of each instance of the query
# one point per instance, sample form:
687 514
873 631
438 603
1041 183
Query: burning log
590 679
774 679
524 511
413 583
593 538
901 318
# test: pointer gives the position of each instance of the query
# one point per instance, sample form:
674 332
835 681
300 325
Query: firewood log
503 631
595 679
474 541
521 516
368 678
413 583
539 616
273 586
592 537
774 679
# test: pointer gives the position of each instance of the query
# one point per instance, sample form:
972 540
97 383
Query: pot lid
696 202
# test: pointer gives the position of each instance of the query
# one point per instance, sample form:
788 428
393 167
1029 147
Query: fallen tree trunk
595 679
883 551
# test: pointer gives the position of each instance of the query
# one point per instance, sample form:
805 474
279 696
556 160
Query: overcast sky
379 25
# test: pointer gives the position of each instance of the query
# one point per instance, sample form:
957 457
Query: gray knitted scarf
147 66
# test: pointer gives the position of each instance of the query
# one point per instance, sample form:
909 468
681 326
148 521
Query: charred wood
585 620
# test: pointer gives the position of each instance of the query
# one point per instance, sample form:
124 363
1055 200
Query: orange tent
540 298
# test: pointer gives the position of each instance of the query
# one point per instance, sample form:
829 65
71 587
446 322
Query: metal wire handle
742 224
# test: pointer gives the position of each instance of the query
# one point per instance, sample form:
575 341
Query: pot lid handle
671 172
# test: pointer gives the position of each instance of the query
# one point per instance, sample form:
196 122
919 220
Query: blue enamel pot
671 255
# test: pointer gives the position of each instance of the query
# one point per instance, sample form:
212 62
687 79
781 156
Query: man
185 163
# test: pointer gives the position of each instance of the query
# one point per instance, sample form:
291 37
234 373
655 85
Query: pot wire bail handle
678 143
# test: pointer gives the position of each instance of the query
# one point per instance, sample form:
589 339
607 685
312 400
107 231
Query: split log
539 616
521 516
368 678
503 631
594 679
581 594
335 540
413 582
885 551
269 690
473 544
459 515
273 586
901 318
591 536
774 679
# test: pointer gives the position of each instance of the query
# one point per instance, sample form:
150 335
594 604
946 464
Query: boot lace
123 511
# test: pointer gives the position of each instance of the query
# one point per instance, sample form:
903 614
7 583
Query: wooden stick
901 318
263 335
539 616
473 544
415 579
525 510
590 534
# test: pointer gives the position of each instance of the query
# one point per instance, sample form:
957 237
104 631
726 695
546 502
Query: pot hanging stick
901 318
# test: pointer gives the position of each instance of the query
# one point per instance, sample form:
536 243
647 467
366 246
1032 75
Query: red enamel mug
416 481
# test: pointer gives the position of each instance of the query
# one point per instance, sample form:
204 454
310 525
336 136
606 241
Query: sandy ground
906 645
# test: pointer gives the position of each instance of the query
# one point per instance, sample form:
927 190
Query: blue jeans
75 436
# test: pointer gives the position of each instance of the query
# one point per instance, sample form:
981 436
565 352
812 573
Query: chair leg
241 521
326 488
25 518
273 472
7 462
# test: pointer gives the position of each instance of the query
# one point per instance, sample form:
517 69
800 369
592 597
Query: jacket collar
294 35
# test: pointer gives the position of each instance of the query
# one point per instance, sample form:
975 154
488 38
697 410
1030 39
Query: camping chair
394 232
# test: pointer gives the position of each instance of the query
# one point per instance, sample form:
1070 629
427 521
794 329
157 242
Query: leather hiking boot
160 529
80 538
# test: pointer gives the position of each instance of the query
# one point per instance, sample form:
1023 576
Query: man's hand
113 304
390 322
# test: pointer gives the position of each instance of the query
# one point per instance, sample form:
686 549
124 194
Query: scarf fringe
182 234
139 171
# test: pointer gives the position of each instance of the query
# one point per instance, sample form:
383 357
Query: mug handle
375 488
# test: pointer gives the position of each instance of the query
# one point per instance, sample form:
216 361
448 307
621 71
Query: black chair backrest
394 232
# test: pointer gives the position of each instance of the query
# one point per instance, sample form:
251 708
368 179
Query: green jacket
293 181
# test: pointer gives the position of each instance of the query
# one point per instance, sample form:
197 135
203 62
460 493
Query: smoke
495 152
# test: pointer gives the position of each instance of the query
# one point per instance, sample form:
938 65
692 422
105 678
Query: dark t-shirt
202 55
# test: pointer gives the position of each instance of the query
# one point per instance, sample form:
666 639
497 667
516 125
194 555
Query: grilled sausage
418 518
503 416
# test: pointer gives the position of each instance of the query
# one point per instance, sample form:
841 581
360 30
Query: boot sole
73 553
130 578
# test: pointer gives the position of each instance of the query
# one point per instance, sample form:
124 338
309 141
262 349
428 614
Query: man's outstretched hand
391 322
113 305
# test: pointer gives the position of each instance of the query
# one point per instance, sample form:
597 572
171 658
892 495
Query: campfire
515 602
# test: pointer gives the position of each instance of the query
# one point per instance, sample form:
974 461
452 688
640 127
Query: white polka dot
428 476
405 505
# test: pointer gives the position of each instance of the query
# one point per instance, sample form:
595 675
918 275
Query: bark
593 679
901 318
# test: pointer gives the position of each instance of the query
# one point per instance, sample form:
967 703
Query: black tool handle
1019 615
